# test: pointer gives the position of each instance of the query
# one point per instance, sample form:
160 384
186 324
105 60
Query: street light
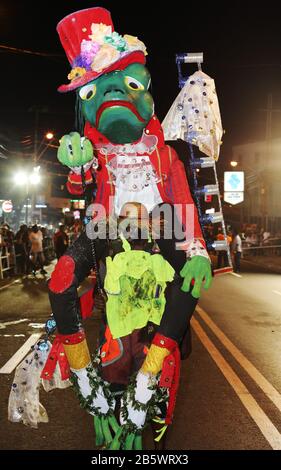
49 135
22 178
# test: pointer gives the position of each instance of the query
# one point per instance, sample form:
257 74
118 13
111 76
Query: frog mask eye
133 84
88 92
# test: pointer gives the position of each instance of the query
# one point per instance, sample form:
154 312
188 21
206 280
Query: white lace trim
147 144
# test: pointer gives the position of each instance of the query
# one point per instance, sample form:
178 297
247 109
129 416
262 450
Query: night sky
241 42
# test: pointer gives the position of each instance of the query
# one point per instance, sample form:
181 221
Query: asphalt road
230 392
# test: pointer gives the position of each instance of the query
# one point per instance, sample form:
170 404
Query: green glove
126 442
102 429
197 268
75 150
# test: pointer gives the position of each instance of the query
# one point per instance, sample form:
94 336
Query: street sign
234 181
7 206
234 197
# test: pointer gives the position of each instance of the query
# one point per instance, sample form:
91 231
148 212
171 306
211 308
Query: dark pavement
209 413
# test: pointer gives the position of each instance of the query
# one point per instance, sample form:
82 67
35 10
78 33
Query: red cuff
56 355
164 342
75 338
75 189
73 178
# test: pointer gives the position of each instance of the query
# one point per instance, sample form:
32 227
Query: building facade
261 162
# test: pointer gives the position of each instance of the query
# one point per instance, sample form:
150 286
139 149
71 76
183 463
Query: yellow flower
134 43
106 56
75 73
99 31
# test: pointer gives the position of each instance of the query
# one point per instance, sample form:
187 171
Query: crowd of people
30 248
248 238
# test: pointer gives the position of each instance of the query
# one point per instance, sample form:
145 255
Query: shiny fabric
195 116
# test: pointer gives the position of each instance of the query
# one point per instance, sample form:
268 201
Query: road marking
36 325
12 336
8 285
276 292
258 378
20 354
266 427
8 323
235 274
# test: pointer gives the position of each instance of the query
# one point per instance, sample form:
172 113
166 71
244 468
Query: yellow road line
253 372
266 427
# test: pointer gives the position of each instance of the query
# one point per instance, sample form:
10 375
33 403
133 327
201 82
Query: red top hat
93 48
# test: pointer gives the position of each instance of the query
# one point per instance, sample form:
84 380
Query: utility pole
37 111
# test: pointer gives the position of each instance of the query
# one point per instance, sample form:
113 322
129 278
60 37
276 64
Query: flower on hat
135 44
89 47
116 41
99 31
102 49
75 73
105 57
89 50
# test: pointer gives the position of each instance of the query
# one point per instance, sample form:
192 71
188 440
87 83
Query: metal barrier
276 249
8 256
9 259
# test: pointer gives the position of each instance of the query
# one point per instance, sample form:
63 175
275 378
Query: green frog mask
118 104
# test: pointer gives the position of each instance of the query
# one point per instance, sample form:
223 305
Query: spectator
60 241
265 237
7 245
22 248
36 239
236 248
222 254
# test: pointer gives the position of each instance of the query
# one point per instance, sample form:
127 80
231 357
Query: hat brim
121 64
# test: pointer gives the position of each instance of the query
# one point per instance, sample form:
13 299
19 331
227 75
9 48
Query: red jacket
173 185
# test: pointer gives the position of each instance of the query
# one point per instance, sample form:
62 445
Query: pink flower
89 47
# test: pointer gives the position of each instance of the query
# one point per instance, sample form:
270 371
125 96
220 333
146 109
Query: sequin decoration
195 116
24 405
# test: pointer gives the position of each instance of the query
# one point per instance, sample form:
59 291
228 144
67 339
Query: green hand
102 429
132 441
198 268
74 150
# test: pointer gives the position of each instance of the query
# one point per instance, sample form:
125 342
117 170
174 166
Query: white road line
253 372
235 274
36 325
276 292
8 323
13 336
267 428
20 354
8 285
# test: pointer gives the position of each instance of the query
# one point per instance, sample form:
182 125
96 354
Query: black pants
222 259
237 258
37 258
